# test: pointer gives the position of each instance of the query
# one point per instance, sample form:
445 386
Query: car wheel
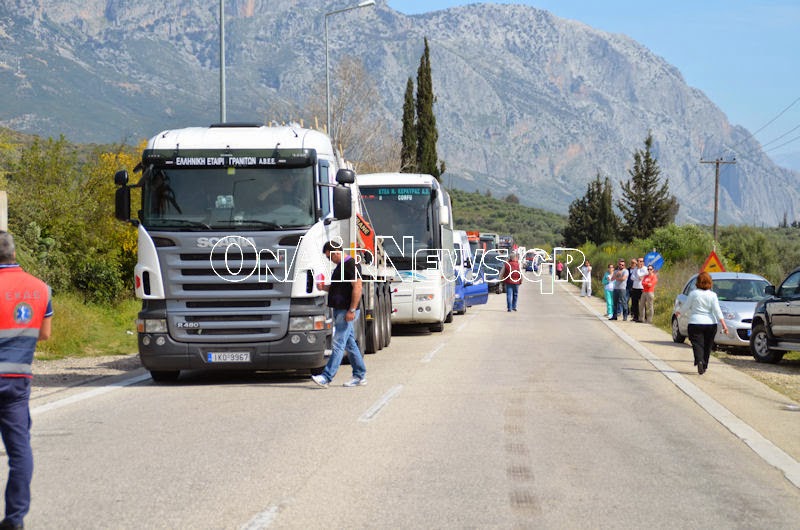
759 346
676 332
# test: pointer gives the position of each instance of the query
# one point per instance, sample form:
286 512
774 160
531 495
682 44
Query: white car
738 293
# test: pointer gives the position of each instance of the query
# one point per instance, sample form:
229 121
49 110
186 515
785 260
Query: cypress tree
591 217
646 203
408 150
427 134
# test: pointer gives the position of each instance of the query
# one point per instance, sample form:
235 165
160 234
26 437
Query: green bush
99 280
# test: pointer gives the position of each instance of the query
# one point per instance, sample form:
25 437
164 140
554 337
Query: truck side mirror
342 201
122 204
121 177
345 176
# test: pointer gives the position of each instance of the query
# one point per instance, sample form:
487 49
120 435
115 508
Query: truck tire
371 334
676 332
759 346
438 327
360 331
165 376
387 315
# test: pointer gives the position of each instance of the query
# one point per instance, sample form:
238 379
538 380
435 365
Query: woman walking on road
704 314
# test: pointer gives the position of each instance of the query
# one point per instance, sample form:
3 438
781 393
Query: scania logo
206 242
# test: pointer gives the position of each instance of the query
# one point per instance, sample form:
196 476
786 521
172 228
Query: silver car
738 294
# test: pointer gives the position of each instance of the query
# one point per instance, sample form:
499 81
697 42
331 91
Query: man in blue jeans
344 294
620 278
25 313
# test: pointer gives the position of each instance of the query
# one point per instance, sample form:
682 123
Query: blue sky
742 54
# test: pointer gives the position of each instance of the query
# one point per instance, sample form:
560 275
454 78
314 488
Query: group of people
630 291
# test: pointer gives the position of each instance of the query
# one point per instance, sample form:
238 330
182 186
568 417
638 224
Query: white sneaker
320 380
356 382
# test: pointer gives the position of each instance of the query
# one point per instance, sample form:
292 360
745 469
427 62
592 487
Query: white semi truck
230 233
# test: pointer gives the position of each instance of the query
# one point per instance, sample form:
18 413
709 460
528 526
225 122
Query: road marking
88 394
263 519
769 452
382 402
431 354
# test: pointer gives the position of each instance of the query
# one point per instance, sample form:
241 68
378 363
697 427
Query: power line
781 136
770 122
784 143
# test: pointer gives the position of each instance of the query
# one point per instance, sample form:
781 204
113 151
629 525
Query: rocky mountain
526 102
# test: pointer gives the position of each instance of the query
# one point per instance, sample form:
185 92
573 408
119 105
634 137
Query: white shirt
703 307
637 276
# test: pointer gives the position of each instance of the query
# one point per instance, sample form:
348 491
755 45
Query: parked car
471 289
492 263
776 322
738 295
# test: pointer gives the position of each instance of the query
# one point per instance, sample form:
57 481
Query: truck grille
241 307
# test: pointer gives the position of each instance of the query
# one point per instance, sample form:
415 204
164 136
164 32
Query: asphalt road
541 418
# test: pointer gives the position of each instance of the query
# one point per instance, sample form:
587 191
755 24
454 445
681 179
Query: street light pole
366 3
222 109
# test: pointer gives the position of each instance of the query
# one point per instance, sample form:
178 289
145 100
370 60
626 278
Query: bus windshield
219 198
405 214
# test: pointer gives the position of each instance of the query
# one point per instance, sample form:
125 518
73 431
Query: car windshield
739 289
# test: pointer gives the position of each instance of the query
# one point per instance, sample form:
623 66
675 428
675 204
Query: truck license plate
228 357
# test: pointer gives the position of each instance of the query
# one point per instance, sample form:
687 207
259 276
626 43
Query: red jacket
511 273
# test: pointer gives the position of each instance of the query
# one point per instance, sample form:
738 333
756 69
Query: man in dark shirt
344 294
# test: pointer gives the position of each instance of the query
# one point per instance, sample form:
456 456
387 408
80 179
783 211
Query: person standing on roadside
586 276
25 318
704 315
512 277
629 284
608 289
649 282
620 291
344 295
637 273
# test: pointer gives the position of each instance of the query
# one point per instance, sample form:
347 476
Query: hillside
527 103
531 227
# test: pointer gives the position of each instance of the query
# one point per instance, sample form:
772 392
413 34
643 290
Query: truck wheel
165 376
387 317
759 346
449 317
360 331
371 334
676 332
438 327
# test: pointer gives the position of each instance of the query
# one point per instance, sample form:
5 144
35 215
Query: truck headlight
151 325
309 323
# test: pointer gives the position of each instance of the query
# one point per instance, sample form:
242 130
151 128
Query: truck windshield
219 198
406 214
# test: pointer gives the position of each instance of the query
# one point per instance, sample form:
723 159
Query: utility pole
717 163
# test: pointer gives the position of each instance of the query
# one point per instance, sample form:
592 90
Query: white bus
412 213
